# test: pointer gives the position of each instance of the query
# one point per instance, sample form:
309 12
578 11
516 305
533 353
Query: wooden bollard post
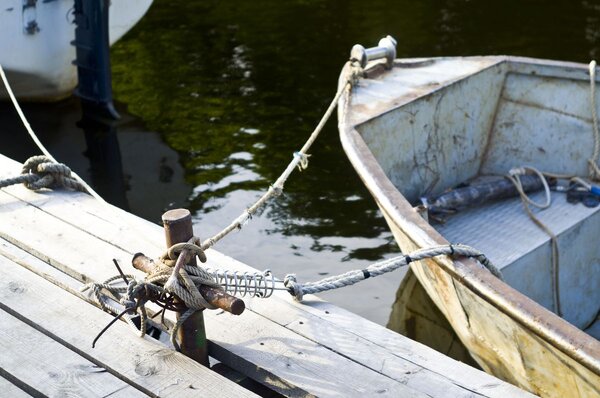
192 335
217 297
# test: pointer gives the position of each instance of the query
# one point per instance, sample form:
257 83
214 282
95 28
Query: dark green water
235 87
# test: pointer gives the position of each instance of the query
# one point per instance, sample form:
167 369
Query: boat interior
448 121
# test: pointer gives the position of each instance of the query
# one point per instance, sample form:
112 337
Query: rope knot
293 286
356 72
303 158
277 190
44 173
517 171
174 251
129 304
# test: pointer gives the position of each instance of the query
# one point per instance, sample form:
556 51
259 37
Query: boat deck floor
521 250
504 231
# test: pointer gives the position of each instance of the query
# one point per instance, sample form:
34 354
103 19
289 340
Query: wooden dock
51 243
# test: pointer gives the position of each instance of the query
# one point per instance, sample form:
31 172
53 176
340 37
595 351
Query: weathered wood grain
79 256
302 358
264 343
143 363
340 340
9 390
373 345
49 367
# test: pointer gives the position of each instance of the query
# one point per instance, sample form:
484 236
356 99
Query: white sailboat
35 43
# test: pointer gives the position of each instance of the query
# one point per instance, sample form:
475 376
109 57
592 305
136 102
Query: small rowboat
418 128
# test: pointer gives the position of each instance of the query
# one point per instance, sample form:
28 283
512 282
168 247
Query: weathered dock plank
293 347
9 390
49 367
145 364
282 355
376 347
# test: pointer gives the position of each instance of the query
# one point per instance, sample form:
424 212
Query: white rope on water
299 160
36 139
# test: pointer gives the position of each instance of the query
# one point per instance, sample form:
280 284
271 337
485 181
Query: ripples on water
234 88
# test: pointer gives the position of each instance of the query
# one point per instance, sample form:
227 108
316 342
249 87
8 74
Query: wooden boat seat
503 231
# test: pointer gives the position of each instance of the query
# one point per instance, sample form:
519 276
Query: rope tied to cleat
172 282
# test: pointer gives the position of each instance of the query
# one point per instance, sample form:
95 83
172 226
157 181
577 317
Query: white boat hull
39 64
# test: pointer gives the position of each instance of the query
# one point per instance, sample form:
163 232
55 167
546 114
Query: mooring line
300 160
36 139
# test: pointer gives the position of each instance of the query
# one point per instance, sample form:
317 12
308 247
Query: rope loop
514 176
295 289
42 172
356 72
303 159
594 171
174 251
173 284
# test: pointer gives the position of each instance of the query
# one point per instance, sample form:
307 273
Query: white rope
299 160
298 290
594 171
35 138
513 175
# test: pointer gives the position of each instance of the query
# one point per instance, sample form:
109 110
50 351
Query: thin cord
37 141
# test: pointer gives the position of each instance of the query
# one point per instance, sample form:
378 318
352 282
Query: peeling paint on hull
415 131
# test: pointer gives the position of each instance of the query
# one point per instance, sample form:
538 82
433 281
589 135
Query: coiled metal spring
252 284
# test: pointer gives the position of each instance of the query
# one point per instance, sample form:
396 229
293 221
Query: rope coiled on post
173 284
41 172
173 277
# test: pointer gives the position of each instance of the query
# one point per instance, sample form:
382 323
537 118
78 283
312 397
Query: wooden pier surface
51 243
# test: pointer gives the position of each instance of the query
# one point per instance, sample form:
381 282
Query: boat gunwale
564 336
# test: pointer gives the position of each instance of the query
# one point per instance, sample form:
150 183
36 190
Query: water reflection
129 166
234 87
103 152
